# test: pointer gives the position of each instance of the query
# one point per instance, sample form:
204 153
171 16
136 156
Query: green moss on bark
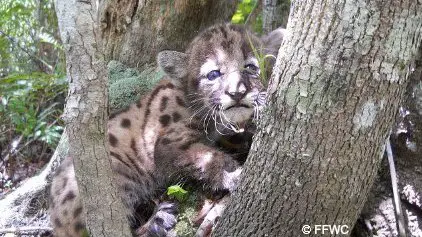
126 84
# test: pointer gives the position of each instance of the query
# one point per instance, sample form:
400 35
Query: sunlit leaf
177 192
244 8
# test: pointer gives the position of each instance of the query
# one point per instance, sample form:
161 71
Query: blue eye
251 69
214 74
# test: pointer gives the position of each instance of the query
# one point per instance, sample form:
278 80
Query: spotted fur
177 132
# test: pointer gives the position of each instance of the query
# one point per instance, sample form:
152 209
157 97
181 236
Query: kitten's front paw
214 210
231 179
162 222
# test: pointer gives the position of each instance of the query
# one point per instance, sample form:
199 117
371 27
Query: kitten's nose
236 89
236 96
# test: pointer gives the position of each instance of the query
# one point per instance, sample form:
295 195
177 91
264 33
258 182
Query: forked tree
338 81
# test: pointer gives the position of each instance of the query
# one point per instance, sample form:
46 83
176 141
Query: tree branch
394 181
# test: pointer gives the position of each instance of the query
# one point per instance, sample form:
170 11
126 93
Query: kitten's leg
189 157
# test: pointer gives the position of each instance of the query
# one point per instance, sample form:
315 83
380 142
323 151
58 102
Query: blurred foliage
28 106
244 8
32 81
28 37
248 12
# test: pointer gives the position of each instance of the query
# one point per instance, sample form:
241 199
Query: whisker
196 100
221 119
226 125
210 117
199 111
217 109
204 123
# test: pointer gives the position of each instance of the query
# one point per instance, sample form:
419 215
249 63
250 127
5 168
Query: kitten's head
221 75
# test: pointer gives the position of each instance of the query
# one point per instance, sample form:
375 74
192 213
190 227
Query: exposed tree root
28 203
26 230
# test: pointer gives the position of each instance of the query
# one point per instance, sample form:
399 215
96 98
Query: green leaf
238 18
177 192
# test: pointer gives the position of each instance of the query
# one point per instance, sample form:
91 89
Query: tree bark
275 13
86 118
134 31
334 95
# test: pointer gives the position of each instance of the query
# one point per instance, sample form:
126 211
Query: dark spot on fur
57 222
79 226
139 104
77 212
69 197
151 98
133 146
165 141
180 101
227 45
65 213
112 139
170 131
163 104
165 120
148 111
170 86
125 123
176 117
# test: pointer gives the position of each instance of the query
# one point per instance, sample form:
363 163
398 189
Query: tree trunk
275 13
334 95
86 117
134 31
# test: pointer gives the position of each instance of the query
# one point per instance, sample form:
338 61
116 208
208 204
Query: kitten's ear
173 63
273 40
